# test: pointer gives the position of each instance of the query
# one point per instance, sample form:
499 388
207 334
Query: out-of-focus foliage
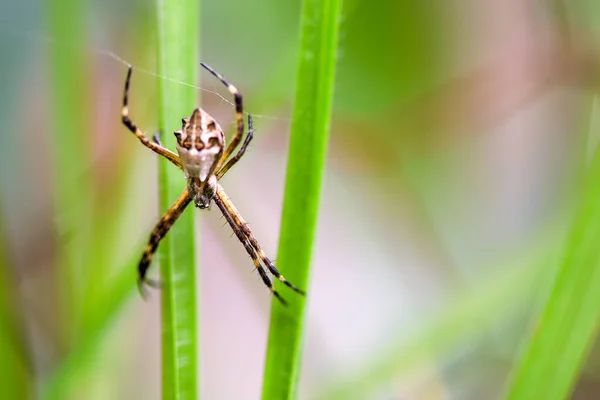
13 351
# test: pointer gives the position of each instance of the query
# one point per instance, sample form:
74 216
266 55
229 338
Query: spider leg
243 231
168 154
240 152
160 230
242 238
239 116
271 266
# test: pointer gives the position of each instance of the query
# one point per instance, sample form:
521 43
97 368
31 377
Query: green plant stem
69 115
178 48
308 145
558 346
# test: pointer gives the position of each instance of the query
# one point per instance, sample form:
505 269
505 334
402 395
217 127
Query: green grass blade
15 366
103 317
178 48
558 346
71 144
308 144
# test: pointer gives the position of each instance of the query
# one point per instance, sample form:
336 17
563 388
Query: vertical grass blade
556 351
15 366
69 121
178 48
308 145
103 318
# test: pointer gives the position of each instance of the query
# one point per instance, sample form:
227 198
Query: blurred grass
101 319
557 349
90 301
178 53
307 151
472 312
15 363
69 122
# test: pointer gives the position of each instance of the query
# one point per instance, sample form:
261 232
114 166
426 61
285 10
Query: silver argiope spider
203 160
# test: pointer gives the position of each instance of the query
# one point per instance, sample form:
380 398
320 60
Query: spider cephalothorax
200 144
204 160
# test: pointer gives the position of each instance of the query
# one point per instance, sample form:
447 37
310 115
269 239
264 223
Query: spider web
103 52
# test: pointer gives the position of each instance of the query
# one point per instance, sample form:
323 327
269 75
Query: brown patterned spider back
200 144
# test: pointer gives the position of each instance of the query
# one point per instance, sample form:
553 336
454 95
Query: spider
203 158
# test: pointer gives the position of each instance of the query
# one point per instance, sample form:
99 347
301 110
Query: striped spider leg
204 159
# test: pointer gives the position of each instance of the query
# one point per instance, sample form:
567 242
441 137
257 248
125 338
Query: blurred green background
460 137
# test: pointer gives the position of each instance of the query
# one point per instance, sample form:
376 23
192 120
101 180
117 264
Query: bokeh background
460 133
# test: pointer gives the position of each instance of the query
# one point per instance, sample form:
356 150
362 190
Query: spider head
200 144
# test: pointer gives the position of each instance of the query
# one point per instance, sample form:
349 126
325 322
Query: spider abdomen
200 144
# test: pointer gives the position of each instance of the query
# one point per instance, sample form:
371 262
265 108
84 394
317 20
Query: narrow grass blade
178 48
15 368
560 340
69 119
103 317
308 144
